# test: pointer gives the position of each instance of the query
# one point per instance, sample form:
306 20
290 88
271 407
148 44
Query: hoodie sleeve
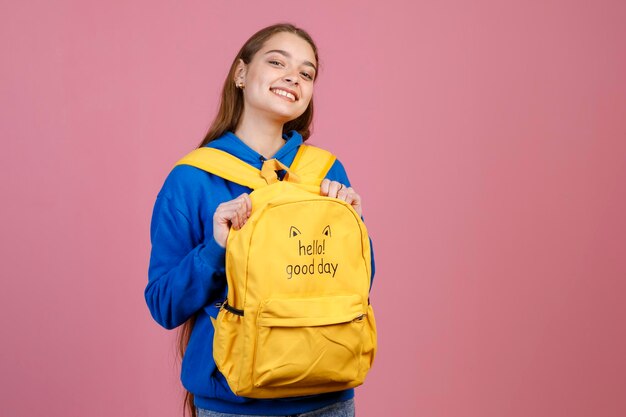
338 173
185 273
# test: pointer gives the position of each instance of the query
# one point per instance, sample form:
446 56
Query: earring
240 85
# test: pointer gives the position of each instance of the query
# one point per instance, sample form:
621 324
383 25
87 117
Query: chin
287 116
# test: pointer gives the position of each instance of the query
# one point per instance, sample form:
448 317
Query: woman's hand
338 190
233 213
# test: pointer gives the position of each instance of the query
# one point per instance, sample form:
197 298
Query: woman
265 112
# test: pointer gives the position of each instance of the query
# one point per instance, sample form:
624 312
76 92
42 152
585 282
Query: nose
291 78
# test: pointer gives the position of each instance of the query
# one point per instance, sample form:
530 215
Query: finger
242 212
234 211
334 188
248 203
353 198
235 219
226 216
355 201
238 218
235 201
244 205
344 193
324 186
230 205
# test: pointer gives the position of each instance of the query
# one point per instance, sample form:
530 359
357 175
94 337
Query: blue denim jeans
340 409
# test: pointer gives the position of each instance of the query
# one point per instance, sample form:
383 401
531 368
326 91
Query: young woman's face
279 78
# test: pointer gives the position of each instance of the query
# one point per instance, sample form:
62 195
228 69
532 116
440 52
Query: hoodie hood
231 143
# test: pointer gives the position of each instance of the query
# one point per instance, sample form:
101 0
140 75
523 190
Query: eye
275 62
306 74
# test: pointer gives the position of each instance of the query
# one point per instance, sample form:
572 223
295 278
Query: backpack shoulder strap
311 164
224 165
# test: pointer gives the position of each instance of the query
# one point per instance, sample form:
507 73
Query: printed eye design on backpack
297 320
314 251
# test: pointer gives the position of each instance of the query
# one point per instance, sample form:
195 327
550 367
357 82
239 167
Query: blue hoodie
186 276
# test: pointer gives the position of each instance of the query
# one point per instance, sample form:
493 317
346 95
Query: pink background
487 139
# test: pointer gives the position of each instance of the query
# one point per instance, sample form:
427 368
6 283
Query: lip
287 90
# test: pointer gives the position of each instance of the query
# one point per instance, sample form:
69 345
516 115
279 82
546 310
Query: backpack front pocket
309 342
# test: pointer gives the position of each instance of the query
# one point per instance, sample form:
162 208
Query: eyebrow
288 55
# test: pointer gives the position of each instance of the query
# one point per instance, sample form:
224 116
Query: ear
240 71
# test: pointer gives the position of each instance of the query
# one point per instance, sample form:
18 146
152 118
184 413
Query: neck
263 135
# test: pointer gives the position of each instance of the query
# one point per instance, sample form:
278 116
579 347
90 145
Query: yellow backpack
297 319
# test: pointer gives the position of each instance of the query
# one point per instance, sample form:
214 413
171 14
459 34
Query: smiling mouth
285 94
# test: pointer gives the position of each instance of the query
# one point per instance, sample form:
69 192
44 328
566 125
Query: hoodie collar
231 143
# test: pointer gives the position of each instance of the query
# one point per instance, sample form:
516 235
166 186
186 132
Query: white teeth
284 93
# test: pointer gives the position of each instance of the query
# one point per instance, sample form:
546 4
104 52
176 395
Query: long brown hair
231 107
